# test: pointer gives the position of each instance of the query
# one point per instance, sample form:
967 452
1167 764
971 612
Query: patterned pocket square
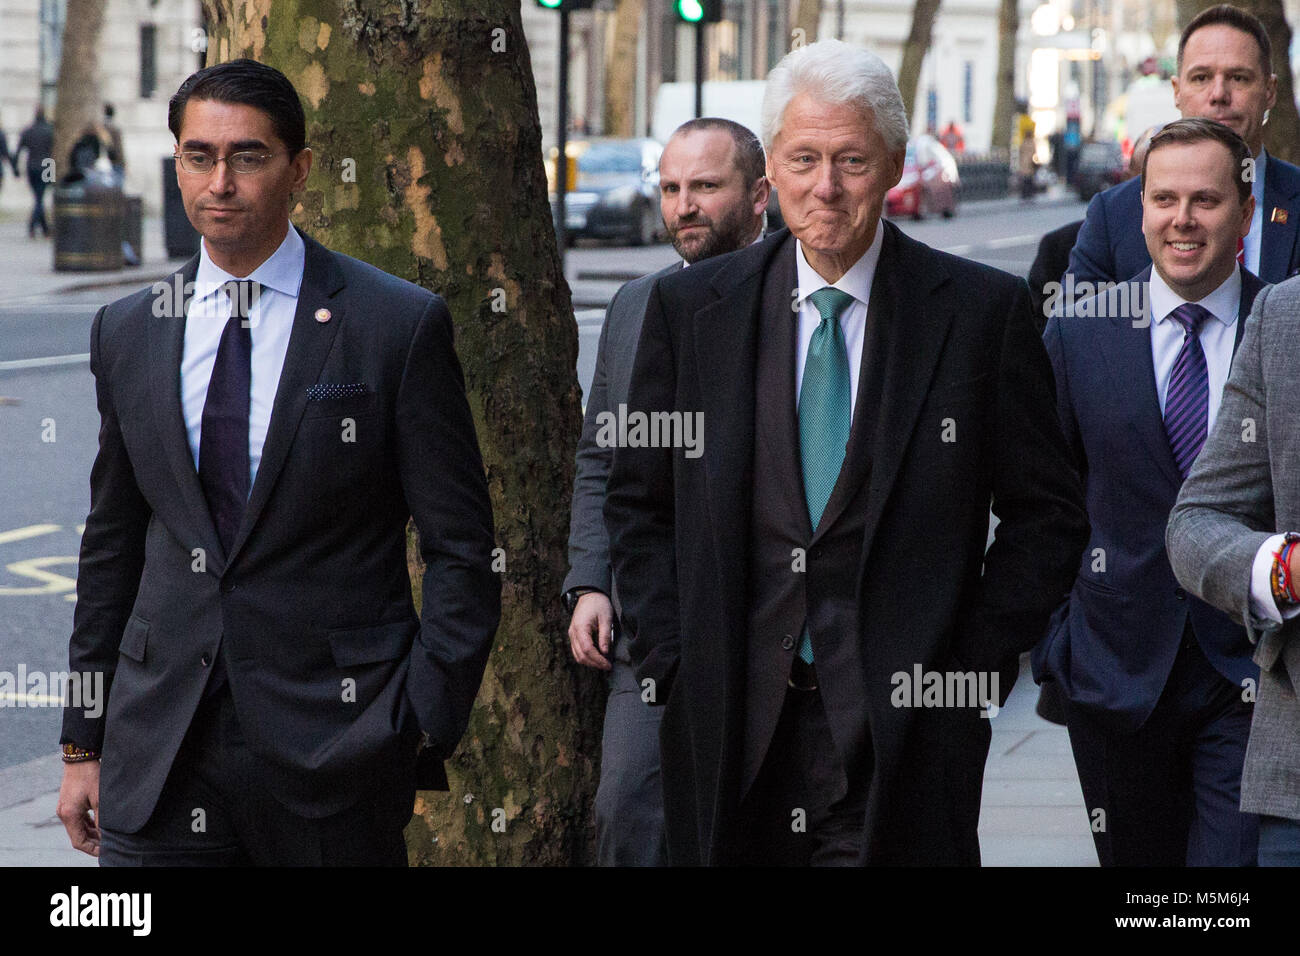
330 390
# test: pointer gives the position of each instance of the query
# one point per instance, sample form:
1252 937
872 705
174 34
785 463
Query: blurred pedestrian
38 141
111 135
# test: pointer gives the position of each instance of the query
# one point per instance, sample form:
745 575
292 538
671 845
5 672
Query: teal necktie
825 412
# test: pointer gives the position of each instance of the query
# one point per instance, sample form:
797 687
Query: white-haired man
806 586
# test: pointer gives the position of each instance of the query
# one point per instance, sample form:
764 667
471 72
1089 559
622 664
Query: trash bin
87 226
133 230
181 238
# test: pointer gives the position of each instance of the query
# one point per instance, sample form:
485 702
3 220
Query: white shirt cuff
1262 604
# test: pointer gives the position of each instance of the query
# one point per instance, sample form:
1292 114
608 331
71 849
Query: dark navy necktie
223 437
1187 403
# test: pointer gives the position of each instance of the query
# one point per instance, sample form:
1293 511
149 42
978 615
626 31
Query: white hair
836 72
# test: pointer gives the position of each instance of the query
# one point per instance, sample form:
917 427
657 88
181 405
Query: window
148 60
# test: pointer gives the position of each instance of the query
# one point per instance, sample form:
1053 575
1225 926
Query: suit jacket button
787 642
1180 594
227 586
205 660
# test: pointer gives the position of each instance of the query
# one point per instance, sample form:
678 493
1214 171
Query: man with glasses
264 438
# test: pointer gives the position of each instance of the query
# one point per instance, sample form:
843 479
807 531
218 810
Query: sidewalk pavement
1032 812
28 266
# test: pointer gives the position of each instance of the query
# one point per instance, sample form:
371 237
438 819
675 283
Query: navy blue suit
1111 248
1124 630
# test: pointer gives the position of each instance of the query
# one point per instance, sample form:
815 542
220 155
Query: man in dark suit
1224 73
712 196
243 583
1154 678
38 141
864 399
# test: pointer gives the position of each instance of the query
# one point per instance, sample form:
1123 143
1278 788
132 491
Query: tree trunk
1282 134
806 19
77 95
1004 109
914 50
428 164
620 69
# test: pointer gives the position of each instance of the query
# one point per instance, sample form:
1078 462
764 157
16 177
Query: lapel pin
323 315
1279 214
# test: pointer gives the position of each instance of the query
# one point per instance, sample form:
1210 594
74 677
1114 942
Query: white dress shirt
1217 335
270 322
1252 242
853 320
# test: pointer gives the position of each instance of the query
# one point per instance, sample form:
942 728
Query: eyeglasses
245 161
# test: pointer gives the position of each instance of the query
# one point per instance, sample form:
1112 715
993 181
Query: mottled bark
422 115
78 103
1004 105
620 69
1282 134
914 50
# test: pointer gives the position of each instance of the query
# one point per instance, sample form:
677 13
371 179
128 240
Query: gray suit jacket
1244 487
589 564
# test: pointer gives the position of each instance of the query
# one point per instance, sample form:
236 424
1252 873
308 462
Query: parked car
615 194
929 182
1100 166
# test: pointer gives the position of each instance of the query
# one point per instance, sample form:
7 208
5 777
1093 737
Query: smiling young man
1224 73
830 537
243 580
1157 683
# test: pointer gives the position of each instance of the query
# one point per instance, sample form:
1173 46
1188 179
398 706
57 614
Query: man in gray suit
1232 542
713 194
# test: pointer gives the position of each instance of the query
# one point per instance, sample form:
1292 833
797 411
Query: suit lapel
779 439
913 275
166 348
1126 351
726 350
1278 239
1250 286
309 344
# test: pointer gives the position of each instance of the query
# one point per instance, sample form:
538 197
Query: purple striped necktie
1187 403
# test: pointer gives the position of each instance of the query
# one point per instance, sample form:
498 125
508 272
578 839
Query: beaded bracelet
1280 578
74 754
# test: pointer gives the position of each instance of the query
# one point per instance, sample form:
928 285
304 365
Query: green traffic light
692 11
551 4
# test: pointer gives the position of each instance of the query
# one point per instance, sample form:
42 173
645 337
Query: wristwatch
571 596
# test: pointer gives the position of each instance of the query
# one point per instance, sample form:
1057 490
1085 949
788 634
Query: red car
929 182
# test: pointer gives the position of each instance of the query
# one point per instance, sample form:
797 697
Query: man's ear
898 160
302 168
761 194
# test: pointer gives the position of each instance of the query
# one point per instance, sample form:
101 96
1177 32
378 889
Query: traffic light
565 4
698 11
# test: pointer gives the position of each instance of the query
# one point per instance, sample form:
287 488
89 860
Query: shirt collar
1222 303
281 270
856 282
